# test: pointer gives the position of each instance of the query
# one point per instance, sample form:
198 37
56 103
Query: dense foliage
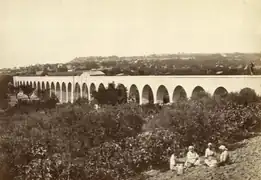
4 79
116 142
111 95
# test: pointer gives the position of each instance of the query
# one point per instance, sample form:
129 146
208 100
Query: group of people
193 159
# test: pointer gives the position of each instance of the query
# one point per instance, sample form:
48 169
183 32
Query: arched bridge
143 89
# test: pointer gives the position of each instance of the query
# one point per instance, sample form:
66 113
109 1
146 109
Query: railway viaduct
144 89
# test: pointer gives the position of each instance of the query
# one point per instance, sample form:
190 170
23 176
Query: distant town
155 64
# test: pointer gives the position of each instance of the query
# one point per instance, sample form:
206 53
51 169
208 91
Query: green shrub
244 97
114 142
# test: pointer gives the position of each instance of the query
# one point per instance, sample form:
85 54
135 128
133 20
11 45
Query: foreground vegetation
75 141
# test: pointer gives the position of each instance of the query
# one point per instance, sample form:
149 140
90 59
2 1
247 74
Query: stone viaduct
143 88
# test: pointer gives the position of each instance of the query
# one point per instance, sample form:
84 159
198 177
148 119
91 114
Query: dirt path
246 166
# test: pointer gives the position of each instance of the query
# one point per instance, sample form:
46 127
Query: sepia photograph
130 89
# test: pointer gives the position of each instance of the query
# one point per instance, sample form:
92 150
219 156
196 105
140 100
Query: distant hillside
181 56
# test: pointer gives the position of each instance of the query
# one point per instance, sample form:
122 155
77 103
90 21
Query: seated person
210 156
192 158
224 156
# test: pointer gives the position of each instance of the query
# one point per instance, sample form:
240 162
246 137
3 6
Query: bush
112 95
114 142
244 97
198 123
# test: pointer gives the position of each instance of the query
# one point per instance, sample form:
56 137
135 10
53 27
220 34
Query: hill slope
246 166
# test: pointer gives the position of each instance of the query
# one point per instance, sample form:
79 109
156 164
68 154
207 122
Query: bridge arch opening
70 92
47 85
58 91
43 86
179 94
101 87
31 84
162 95
221 91
48 89
77 91
34 85
63 96
27 83
197 92
92 90
84 91
38 85
134 95
122 93
53 89
147 95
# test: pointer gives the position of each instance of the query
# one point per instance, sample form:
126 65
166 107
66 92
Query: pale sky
51 31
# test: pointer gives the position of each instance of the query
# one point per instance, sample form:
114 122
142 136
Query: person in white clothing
172 162
210 154
224 156
192 158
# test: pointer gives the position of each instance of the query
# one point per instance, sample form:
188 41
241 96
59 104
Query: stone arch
220 91
70 92
31 84
43 86
162 95
134 94
48 88
122 93
27 83
101 87
52 88
147 95
92 90
58 91
63 96
34 85
179 93
197 90
77 91
85 91
38 85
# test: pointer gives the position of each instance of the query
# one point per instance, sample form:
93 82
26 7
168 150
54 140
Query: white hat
209 144
222 147
191 147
